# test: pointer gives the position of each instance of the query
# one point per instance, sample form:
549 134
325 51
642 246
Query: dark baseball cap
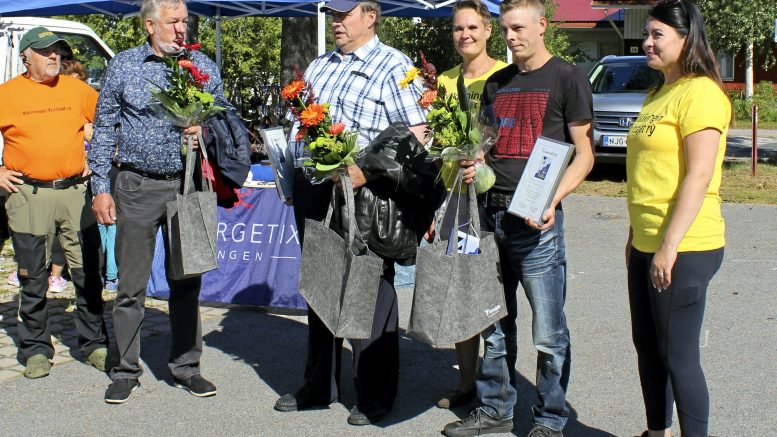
340 6
39 38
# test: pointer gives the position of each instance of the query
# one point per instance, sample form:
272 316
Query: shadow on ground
155 341
276 347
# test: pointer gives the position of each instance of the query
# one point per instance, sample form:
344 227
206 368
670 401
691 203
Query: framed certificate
540 178
281 160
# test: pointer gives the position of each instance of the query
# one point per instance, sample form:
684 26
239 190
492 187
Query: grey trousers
140 210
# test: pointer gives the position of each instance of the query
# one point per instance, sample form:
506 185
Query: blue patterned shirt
362 88
145 141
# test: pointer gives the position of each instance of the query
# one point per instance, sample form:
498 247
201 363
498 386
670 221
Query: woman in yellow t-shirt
676 238
471 30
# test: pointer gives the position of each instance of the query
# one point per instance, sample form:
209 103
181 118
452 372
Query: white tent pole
218 38
321 30
509 56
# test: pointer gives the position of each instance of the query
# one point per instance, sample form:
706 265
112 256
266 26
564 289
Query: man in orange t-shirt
42 121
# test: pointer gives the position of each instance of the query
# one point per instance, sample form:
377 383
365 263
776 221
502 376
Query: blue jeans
108 237
495 393
537 260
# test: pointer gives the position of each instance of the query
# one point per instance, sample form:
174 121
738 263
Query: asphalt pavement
254 357
739 145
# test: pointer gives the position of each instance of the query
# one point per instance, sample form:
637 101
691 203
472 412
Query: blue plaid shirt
144 140
362 88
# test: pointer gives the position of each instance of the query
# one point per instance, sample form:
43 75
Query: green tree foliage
433 36
119 33
732 25
251 49
250 54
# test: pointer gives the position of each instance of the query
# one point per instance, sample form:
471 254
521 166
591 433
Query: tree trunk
299 46
193 29
749 71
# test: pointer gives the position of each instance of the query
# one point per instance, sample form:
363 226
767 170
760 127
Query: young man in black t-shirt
538 94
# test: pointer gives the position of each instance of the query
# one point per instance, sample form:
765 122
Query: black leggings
666 327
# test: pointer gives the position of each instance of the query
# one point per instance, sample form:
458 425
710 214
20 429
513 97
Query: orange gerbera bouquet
331 146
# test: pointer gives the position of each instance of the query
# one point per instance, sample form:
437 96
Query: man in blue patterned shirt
147 152
360 80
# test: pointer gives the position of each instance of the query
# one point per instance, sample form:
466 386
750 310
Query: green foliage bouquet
454 130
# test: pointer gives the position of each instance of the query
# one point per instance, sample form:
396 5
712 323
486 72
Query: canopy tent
225 8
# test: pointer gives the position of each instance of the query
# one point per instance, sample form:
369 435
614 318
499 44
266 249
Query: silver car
620 85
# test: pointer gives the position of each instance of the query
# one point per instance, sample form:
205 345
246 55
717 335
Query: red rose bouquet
185 103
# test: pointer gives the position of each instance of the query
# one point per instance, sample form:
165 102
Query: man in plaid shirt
360 80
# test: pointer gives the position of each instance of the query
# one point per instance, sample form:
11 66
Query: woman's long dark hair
697 57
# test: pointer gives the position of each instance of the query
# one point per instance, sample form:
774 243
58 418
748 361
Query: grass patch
738 185
747 124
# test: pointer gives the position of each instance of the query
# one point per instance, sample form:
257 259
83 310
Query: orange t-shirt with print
43 126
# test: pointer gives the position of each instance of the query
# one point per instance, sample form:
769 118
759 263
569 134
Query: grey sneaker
38 366
544 431
478 423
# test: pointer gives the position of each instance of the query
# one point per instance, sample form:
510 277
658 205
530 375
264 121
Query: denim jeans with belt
537 260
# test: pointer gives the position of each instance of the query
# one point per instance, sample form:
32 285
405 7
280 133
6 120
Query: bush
765 96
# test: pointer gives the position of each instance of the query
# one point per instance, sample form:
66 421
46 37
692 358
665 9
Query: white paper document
540 178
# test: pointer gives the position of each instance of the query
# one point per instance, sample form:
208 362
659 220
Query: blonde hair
537 5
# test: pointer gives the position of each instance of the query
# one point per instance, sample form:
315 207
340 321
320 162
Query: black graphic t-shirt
523 106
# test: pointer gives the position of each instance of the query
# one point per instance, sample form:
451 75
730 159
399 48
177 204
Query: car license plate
613 141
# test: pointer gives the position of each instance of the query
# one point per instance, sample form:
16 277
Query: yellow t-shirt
43 126
655 163
474 85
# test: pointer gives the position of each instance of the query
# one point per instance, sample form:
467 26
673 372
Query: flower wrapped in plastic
184 103
454 130
330 146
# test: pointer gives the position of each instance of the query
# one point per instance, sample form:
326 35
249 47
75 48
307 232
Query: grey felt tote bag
192 219
339 275
457 295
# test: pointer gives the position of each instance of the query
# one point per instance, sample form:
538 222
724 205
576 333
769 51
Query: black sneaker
544 431
478 423
289 403
357 418
196 385
119 391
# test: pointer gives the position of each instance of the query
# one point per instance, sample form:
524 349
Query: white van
87 47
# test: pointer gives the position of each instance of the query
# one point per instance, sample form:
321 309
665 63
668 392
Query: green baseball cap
39 38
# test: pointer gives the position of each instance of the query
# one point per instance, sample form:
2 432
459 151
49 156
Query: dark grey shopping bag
457 295
192 220
339 276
